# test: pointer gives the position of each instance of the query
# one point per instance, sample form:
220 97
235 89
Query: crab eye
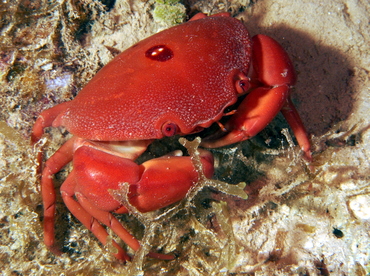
242 86
242 82
159 53
169 129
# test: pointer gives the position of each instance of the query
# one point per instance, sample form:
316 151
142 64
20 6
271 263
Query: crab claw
92 191
274 73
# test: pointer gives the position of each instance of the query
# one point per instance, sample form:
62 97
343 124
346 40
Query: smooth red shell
134 95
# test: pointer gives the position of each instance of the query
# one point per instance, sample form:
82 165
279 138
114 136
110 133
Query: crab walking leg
91 223
294 120
53 165
110 221
46 119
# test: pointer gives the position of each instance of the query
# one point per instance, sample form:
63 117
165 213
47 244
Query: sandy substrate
299 219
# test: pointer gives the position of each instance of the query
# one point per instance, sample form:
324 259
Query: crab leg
46 119
90 222
110 221
294 120
53 165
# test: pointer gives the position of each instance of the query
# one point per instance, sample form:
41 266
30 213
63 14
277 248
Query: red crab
176 82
